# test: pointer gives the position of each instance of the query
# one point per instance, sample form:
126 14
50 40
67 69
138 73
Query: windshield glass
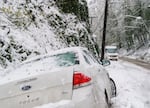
111 50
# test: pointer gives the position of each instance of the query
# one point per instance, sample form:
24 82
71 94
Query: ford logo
25 88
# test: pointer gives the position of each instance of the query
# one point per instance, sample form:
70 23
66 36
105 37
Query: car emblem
25 88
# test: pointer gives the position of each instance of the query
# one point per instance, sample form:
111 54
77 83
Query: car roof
59 51
30 61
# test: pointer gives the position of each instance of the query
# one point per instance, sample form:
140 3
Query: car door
36 89
101 79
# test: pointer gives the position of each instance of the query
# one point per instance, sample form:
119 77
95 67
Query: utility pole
104 30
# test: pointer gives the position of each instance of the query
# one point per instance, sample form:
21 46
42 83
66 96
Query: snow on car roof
31 67
73 49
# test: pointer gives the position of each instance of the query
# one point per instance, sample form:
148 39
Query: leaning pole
104 30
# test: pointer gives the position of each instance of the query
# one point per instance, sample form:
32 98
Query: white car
71 74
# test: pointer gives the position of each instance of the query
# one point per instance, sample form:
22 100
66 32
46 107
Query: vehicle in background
68 74
111 53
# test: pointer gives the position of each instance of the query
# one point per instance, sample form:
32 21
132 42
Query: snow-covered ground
133 85
142 54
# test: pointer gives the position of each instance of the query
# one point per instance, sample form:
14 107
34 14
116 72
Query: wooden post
104 30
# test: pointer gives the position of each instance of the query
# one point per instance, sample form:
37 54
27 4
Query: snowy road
133 84
137 62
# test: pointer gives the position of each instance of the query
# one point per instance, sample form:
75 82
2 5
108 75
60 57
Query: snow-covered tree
33 27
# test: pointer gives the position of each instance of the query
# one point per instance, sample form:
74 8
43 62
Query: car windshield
111 50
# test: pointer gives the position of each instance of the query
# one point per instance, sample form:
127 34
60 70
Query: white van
111 53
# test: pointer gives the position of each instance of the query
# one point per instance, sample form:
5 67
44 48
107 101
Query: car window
65 59
57 60
111 50
90 56
86 59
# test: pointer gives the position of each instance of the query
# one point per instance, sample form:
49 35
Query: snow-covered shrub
37 27
12 52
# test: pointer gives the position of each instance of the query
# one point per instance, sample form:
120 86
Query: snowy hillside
33 27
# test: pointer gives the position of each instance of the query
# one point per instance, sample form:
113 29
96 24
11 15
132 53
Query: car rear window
53 61
65 59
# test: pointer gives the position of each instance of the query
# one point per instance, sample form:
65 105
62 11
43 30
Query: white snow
133 85
142 54
62 104
45 30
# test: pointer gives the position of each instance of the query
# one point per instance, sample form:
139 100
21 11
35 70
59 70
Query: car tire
113 87
107 100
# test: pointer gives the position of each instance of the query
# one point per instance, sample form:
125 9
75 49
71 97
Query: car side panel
98 84
103 81
47 87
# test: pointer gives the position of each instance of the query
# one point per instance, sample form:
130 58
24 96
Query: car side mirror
77 62
105 62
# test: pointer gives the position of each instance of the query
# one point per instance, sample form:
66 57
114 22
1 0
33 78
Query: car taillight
79 79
